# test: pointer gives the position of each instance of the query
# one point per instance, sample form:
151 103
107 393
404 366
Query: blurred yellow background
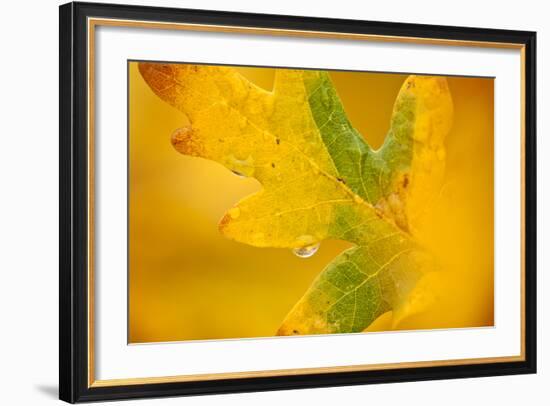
188 282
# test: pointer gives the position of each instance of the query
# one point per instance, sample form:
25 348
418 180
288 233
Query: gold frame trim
94 22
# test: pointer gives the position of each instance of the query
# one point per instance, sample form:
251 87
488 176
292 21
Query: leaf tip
224 221
284 330
184 141
231 215
157 75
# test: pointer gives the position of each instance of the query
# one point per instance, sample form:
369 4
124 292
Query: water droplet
307 251
240 166
240 175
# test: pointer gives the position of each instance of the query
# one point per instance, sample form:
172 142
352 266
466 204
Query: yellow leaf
320 179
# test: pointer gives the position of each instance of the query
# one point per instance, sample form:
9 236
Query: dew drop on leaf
307 251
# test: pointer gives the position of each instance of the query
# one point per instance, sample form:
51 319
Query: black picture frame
74 200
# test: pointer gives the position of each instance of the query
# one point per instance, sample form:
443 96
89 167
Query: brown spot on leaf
224 222
184 141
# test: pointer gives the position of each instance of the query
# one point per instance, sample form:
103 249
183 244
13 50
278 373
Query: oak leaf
320 178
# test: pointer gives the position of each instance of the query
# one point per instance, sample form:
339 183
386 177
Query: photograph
274 201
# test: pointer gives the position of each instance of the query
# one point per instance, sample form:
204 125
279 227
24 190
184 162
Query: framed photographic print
256 202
